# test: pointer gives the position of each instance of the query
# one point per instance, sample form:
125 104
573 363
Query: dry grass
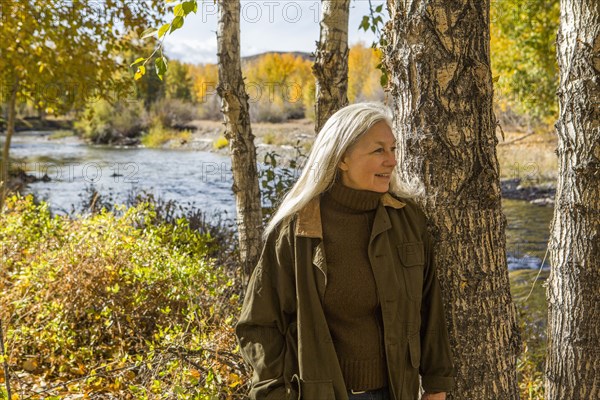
529 156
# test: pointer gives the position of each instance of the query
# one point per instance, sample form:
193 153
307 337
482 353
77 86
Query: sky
266 25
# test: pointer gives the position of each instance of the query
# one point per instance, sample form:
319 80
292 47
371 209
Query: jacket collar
308 223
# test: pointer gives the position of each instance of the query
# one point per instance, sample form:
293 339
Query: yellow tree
278 84
57 52
205 78
364 79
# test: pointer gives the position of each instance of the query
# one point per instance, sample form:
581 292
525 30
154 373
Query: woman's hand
434 396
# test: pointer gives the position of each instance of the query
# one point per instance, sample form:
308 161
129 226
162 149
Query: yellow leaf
140 72
234 380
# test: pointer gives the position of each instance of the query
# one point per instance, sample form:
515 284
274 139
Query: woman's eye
394 149
379 150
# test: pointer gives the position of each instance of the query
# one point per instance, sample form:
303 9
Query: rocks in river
18 179
542 195
544 201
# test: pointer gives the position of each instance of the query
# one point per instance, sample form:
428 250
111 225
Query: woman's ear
343 166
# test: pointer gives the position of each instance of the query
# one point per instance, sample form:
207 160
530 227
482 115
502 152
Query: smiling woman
344 302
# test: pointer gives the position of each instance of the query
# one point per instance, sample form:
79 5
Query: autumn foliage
281 86
125 305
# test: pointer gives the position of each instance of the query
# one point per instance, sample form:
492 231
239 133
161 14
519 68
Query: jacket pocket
412 258
315 390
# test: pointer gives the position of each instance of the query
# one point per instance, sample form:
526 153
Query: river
198 178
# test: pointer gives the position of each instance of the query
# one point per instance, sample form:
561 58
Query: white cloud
196 51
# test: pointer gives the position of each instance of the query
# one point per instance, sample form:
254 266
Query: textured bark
10 130
239 134
331 60
441 87
573 357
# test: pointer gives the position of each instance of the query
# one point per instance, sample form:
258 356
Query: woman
344 302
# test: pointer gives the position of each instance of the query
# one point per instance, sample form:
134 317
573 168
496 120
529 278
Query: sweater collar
355 200
308 223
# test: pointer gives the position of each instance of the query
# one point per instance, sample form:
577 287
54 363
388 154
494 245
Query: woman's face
369 163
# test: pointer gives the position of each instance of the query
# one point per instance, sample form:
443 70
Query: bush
107 123
158 135
173 113
210 108
220 142
276 178
130 306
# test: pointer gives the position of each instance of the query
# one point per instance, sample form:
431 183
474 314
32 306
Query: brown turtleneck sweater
351 304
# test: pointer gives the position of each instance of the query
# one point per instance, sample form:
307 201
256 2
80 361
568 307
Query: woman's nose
391 159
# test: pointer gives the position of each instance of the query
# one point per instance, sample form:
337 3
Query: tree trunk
573 356
239 134
10 130
331 60
438 56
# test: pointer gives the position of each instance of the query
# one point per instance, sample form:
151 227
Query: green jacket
282 329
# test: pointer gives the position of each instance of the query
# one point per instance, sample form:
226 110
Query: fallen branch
517 139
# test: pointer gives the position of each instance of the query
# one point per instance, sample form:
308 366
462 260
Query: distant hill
303 54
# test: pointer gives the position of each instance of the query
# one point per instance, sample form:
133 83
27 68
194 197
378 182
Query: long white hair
339 133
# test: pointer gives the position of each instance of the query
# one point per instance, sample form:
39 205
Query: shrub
210 108
277 178
105 123
158 135
173 113
220 142
130 305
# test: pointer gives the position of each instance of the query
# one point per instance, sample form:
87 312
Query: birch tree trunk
438 58
239 134
331 60
573 357
10 130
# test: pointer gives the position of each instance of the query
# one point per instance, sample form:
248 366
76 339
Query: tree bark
239 134
331 60
10 130
573 292
438 56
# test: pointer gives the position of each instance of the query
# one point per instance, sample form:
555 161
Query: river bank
527 162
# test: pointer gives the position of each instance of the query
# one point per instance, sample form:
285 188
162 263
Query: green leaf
364 24
379 8
161 67
383 80
176 24
189 6
163 29
149 32
137 61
